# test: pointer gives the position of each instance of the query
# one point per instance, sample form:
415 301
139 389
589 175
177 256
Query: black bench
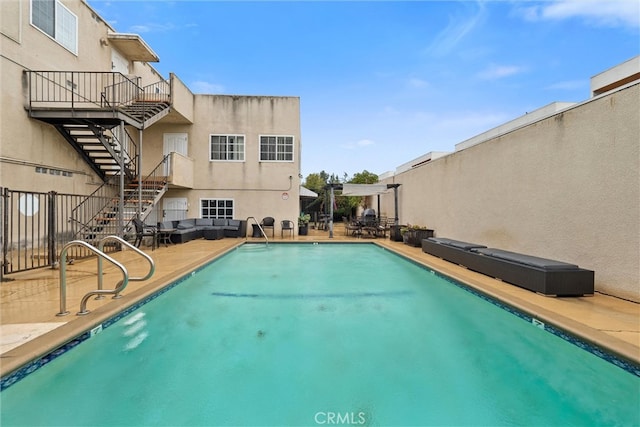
541 275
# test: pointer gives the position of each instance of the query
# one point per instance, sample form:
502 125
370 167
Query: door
173 142
119 64
174 208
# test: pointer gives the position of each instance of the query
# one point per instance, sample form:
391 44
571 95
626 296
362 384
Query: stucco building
84 112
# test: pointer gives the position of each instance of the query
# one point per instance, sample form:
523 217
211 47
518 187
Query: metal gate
35 227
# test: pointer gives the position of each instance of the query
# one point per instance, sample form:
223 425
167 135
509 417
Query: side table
164 235
215 234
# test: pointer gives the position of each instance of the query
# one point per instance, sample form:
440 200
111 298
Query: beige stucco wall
256 187
566 187
26 143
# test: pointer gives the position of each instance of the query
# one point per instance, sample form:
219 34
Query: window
276 148
227 147
55 20
216 208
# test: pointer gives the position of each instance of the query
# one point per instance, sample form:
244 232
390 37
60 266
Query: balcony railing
91 89
81 89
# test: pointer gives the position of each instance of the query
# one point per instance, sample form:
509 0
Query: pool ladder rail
266 239
100 292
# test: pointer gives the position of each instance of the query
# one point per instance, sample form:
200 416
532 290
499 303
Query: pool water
302 334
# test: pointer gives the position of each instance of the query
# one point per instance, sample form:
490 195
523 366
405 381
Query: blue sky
383 82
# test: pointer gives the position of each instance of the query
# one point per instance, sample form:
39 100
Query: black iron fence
80 89
35 227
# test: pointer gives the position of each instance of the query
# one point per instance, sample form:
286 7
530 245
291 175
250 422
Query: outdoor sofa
194 228
544 276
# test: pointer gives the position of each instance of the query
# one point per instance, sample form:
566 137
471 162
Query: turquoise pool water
302 334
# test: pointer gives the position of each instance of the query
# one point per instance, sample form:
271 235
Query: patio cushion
203 222
166 225
456 243
185 224
547 264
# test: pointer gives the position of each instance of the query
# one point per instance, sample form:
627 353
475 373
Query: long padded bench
541 275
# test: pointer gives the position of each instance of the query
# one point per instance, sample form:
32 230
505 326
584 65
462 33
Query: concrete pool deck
29 301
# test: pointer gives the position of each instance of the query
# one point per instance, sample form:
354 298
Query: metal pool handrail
152 265
63 277
260 227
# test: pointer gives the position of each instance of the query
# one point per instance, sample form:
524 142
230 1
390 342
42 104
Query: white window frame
227 152
219 211
280 148
64 25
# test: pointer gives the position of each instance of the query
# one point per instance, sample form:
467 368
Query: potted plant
303 224
413 235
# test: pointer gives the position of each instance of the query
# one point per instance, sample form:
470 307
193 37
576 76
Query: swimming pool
301 334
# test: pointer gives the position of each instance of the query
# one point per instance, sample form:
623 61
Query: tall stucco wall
566 187
24 142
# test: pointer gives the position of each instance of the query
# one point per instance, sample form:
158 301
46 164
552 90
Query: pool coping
30 356
76 330
549 318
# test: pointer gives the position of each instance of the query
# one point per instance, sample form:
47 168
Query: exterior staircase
148 111
100 148
98 216
92 111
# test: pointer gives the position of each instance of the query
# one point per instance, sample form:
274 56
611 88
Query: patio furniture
352 228
164 236
143 230
268 222
193 228
544 276
286 225
213 234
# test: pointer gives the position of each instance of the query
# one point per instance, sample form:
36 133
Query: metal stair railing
155 183
80 89
100 292
86 213
152 266
63 276
112 91
92 214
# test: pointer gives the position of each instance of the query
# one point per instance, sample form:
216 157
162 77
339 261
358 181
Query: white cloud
203 87
152 27
455 31
494 72
364 142
609 13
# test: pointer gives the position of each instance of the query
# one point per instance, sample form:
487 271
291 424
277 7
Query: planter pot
415 237
303 230
394 233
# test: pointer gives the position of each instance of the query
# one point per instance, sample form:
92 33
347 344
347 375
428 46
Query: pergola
362 190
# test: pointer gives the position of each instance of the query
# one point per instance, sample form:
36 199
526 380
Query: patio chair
143 230
286 225
351 228
269 222
383 226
